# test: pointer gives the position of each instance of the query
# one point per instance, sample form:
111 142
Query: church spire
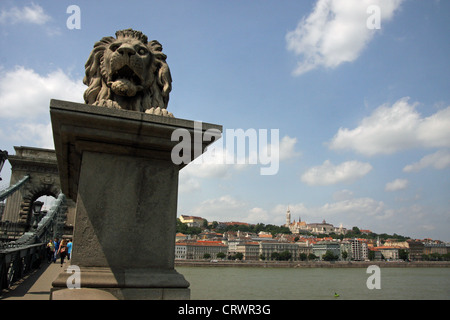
288 217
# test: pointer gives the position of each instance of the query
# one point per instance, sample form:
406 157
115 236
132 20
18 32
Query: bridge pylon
41 165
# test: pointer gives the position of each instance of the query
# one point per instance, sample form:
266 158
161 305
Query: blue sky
363 114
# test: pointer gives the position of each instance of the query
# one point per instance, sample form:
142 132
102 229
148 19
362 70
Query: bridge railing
17 258
17 262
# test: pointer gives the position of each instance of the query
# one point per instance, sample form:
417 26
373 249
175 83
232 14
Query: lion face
125 65
127 72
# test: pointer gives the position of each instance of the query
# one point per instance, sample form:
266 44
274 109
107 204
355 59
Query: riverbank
312 264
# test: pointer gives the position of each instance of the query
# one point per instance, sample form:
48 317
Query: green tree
435 256
403 254
344 255
329 256
183 228
221 255
284 256
312 256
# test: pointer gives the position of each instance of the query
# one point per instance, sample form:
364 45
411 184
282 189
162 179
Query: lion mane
128 72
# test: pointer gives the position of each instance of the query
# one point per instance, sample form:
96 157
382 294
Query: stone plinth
117 166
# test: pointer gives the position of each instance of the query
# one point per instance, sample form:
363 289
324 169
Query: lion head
128 72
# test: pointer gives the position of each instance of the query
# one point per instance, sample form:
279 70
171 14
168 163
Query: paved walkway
36 285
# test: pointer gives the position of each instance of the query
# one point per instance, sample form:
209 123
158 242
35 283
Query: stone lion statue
128 72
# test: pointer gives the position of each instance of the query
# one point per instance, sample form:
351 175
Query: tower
288 218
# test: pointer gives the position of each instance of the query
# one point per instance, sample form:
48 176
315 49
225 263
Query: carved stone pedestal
117 166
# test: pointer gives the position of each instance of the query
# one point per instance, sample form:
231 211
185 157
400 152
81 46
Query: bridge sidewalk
37 285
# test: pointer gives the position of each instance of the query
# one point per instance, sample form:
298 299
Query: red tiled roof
203 243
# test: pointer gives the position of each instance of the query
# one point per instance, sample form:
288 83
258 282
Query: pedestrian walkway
36 285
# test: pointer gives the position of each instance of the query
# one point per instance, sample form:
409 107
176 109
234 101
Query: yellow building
192 221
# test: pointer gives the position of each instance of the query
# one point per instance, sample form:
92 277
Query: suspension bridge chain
11 189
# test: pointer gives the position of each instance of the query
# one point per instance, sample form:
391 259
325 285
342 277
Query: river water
231 283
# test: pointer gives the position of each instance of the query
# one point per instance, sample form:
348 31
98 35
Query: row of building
298 245
263 248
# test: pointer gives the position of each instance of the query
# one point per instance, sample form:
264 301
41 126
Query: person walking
62 250
50 250
69 249
56 244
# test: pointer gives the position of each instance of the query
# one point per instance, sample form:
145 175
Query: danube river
228 283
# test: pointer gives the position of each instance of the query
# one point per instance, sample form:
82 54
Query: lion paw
159 112
107 103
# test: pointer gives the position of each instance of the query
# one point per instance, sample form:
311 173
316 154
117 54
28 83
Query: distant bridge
24 229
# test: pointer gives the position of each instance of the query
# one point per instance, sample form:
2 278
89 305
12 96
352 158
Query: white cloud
228 208
188 184
211 164
434 131
215 164
257 215
219 162
328 173
336 32
224 208
25 100
287 148
397 184
355 208
391 129
37 134
343 195
438 160
29 14
27 94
